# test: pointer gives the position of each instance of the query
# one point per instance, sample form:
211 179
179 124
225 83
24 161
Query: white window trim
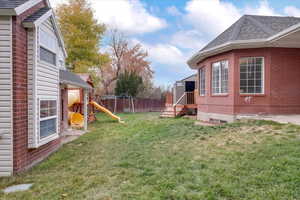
202 68
263 76
42 141
220 82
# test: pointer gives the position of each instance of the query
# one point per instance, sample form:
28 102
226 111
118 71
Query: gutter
75 84
239 44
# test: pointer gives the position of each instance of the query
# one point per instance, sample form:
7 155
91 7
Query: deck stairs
169 111
181 107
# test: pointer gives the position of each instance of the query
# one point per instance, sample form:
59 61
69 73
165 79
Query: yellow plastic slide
101 108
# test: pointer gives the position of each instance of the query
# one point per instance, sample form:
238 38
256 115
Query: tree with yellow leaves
82 34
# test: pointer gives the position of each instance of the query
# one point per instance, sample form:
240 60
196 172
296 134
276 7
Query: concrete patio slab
71 135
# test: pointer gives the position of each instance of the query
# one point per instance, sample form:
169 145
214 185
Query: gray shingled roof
11 3
66 77
35 16
253 27
191 76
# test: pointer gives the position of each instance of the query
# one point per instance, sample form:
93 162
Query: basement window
202 81
48 118
220 77
252 75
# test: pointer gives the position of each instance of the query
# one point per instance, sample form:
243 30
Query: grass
170 159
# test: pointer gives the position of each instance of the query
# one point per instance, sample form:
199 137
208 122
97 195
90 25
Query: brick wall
258 104
23 157
217 103
282 84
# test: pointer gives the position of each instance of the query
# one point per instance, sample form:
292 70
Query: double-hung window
202 81
220 77
252 75
48 48
48 118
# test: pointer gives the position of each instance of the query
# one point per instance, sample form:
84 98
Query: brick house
33 83
251 68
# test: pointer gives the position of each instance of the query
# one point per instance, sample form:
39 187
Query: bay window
202 81
48 118
220 77
252 75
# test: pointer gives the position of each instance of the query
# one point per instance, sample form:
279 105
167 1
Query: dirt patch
236 139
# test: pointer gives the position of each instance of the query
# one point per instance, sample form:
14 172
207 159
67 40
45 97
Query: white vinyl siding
46 85
31 100
6 128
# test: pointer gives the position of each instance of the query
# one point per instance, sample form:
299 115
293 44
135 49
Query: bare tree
123 57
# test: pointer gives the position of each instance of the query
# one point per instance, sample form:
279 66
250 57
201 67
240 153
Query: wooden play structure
75 105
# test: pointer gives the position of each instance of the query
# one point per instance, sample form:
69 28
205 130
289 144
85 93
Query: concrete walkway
71 135
293 119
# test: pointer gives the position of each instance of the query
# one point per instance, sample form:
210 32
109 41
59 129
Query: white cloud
292 11
166 55
189 39
130 16
55 3
263 8
214 16
211 16
172 10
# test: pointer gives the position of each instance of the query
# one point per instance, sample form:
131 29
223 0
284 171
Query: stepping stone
17 188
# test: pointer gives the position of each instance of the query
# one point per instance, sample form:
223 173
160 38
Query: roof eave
25 6
200 56
38 21
239 44
21 8
76 84
41 20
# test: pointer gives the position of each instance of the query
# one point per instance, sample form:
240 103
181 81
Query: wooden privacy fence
120 105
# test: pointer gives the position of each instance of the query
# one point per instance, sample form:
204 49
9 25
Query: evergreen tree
128 84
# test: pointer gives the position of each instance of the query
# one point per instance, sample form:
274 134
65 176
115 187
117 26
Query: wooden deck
190 105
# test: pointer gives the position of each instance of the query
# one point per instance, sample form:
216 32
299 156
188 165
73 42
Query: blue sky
173 30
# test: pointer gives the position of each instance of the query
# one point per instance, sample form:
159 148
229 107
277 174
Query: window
48 118
47 56
251 75
48 47
202 81
220 77
48 40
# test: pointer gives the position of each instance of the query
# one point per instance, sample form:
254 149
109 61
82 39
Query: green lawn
149 158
